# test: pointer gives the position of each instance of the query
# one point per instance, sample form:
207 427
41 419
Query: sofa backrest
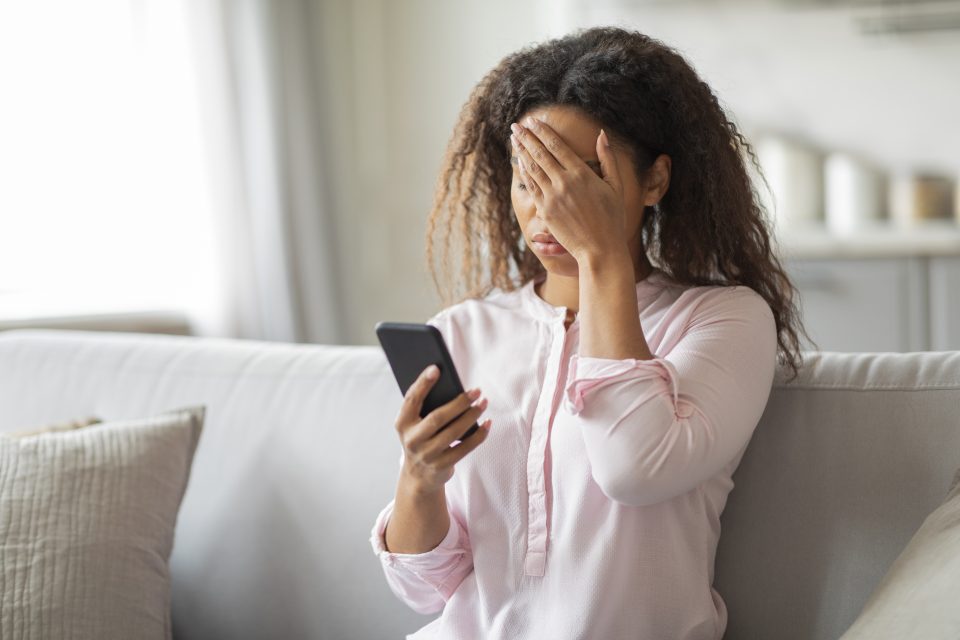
299 454
846 463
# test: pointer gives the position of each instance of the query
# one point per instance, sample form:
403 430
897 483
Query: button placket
536 458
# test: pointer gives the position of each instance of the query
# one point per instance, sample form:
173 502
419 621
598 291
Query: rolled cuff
587 373
435 568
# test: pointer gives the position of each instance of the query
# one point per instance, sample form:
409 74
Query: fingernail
515 128
432 371
473 394
603 134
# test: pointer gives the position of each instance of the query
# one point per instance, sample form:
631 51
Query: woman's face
579 131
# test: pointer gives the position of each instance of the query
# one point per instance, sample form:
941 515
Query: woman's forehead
569 122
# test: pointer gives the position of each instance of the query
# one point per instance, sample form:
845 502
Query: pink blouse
593 508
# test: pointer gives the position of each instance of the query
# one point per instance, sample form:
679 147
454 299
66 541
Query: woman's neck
564 291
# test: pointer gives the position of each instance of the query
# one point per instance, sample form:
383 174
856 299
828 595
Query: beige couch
298 454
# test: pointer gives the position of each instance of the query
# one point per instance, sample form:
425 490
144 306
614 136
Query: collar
543 310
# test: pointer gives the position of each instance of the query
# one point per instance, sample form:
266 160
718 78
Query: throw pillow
69 425
919 595
87 518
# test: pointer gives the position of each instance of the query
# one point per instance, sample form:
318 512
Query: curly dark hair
709 228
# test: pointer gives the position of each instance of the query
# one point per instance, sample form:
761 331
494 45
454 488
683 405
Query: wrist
607 263
410 487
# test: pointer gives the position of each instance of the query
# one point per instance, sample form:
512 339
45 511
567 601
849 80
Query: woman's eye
521 186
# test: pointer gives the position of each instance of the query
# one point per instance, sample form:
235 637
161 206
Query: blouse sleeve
655 429
425 581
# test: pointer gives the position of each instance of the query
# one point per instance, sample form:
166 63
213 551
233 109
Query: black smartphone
410 348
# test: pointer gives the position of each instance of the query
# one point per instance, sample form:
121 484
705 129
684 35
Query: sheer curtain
163 154
261 93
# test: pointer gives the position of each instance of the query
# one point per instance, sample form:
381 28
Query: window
104 200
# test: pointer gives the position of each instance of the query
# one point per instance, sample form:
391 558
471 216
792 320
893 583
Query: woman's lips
549 248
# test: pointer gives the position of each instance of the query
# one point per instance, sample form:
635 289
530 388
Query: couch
298 454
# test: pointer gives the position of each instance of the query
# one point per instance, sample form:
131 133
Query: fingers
441 441
413 399
439 418
545 135
530 183
533 176
541 162
608 162
452 455
428 439
535 158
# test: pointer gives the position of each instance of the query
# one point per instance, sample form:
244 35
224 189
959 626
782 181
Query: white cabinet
907 303
944 290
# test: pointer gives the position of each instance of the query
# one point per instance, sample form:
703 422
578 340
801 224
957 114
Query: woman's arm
656 428
420 519
423 580
609 322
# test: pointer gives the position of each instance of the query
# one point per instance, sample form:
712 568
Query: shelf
940 237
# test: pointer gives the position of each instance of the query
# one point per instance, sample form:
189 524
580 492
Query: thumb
608 162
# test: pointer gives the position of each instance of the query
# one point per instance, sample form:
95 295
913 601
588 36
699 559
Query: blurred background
263 170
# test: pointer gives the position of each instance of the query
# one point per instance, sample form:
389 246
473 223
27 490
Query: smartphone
410 348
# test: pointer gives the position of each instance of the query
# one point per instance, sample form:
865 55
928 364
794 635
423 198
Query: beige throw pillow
919 597
69 425
87 518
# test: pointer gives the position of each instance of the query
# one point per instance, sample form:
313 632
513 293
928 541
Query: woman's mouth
549 248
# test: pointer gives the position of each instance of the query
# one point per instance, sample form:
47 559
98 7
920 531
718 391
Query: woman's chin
563 266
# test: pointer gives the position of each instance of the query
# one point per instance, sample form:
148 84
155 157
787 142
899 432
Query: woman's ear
658 179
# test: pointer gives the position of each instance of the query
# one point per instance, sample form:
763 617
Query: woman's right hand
428 456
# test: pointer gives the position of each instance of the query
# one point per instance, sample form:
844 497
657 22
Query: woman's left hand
583 211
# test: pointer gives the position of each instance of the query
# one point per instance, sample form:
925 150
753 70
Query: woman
623 376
